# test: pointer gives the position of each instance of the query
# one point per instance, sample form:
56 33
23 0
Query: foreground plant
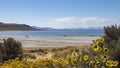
97 56
10 49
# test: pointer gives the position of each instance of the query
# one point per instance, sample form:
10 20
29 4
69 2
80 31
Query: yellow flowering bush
97 56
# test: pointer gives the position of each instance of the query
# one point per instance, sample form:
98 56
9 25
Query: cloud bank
76 22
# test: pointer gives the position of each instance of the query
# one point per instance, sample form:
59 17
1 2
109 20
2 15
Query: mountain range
14 27
48 28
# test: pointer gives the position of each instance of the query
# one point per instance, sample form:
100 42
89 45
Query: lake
80 32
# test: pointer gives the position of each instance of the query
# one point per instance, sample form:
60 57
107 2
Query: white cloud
82 20
65 19
94 19
67 22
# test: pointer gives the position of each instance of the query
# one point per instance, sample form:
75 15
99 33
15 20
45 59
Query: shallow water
82 32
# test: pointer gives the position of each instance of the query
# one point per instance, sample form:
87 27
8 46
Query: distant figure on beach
27 36
64 35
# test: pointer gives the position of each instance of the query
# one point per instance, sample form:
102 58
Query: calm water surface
82 32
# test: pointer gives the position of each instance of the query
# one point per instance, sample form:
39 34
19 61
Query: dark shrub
10 49
112 40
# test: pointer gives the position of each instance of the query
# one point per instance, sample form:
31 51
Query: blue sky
61 13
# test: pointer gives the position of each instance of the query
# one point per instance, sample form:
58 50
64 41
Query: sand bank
52 41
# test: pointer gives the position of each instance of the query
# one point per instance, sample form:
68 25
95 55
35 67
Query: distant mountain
43 28
48 28
13 26
95 28
35 27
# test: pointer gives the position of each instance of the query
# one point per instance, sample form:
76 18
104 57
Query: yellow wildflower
97 42
95 47
91 62
97 61
103 56
101 39
67 61
109 63
81 58
105 50
86 57
99 49
115 63
73 53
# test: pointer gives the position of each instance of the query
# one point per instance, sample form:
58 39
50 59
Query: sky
61 13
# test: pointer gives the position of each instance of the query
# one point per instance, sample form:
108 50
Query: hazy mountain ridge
14 26
48 28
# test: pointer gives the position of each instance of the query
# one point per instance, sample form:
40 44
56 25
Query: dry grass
52 52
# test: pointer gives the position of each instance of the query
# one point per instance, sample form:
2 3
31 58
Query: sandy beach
52 41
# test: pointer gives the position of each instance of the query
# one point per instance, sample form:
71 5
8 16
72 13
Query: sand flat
52 41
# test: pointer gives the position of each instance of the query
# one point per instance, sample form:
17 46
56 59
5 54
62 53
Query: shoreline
51 41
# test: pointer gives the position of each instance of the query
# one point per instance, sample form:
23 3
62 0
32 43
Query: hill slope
10 27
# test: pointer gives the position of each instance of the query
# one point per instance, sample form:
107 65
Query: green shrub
10 49
112 40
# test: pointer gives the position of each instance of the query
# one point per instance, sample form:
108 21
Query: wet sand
52 41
